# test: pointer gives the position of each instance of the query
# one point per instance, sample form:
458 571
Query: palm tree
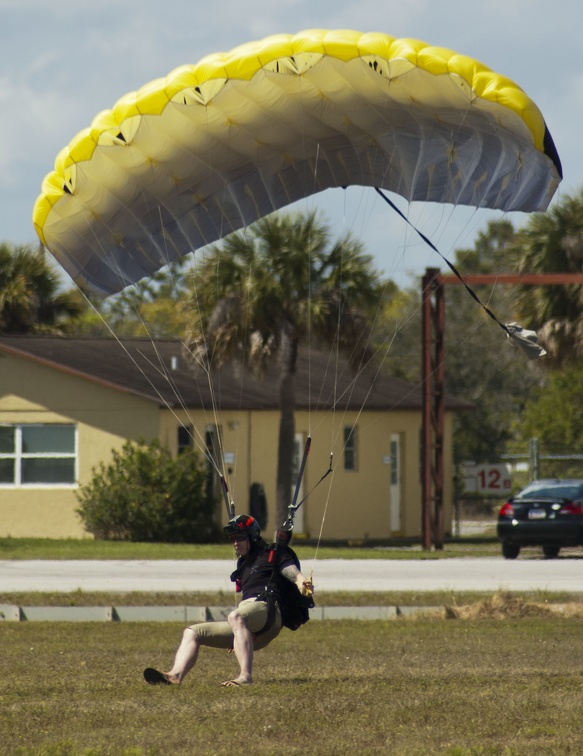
154 307
263 292
553 243
30 296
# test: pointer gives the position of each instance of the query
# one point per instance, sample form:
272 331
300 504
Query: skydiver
260 615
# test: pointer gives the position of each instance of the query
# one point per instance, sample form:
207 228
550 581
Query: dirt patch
505 606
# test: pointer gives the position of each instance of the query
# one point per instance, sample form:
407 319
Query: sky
63 62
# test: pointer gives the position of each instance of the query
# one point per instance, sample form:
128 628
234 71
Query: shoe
154 677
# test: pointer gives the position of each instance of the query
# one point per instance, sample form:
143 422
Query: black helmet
244 524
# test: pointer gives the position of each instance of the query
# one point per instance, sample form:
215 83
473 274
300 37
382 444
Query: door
395 482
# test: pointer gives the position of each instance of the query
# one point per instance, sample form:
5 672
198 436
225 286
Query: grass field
415 687
47 548
503 676
335 598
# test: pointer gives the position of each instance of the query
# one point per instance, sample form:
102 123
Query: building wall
105 419
357 503
354 504
351 504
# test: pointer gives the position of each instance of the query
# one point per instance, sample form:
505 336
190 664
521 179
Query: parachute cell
215 146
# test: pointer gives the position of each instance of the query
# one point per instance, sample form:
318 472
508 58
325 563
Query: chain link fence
541 461
536 462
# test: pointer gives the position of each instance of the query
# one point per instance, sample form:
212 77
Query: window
185 438
350 456
36 455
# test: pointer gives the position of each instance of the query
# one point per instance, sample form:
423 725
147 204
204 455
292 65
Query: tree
154 308
144 494
554 416
481 364
491 252
398 332
553 243
260 294
31 299
554 413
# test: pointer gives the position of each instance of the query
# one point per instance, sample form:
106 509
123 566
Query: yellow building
66 403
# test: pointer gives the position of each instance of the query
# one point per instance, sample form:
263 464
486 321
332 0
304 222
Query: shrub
144 494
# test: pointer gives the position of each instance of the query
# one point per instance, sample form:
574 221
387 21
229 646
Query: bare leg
185 658
243 648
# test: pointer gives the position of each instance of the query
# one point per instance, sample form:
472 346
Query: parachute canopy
213 147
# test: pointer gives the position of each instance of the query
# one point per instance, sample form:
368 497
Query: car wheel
510 550
551 552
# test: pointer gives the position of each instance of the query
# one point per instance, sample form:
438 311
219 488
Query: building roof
160 371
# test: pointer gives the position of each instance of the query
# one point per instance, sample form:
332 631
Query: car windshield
553 492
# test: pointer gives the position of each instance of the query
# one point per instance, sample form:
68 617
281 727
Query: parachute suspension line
200 443
336 431
162 251
197 436
526 340
310 282
227 498
206 367
324 514
211 454
283 536
364 364
215 455
160 369
451 266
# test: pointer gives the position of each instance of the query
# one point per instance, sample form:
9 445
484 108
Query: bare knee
189 635
235 620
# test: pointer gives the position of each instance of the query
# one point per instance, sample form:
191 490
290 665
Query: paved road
489 574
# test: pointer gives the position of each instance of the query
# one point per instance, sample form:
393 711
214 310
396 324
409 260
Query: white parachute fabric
214 147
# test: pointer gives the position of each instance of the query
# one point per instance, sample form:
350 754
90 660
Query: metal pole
533 461
426 412
433 384
438 412
433 376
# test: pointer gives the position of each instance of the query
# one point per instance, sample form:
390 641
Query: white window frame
18 456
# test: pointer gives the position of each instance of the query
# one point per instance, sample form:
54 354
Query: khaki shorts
220 635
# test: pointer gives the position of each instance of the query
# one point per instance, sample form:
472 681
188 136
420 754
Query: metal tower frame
433 376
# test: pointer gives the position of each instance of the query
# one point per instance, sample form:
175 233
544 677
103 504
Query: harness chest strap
268 595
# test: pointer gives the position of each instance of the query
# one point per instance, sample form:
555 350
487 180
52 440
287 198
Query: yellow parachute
215 146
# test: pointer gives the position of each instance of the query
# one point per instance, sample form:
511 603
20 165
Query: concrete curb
186 614
67 613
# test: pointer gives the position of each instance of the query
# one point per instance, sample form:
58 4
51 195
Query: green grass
46 548
221 598
413 687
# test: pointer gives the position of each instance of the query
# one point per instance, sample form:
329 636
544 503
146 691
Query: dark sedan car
547 513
